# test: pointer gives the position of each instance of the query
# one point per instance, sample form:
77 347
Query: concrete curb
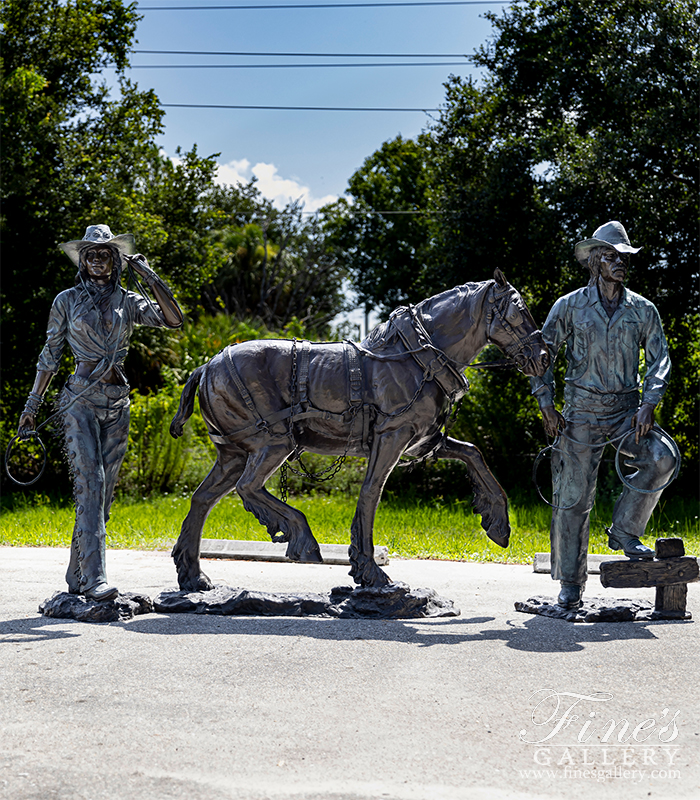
272 551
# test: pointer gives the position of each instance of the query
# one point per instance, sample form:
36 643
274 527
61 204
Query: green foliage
274 267
384 232
157 463
587 113
71 157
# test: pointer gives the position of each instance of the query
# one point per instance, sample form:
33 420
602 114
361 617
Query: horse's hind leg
489 498
273 513
229 465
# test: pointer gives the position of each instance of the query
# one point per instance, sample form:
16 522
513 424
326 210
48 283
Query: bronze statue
604 326
267 401
96 318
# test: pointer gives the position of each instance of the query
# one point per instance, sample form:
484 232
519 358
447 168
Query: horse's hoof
312 555
305 551
371 577
198 583
496 534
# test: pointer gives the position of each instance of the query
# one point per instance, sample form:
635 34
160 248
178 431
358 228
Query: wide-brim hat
612 234
97 235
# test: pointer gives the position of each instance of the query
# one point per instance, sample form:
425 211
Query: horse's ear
500 278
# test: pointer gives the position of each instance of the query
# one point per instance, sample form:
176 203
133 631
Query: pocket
630 335
584 337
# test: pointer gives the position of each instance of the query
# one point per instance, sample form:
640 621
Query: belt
107 389
587 400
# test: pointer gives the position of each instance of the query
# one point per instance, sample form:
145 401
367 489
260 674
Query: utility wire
326 5
294 66
303 55
292 108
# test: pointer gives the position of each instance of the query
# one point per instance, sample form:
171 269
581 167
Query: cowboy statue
604 326
96 318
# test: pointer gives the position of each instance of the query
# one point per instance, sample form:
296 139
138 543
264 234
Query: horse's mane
467 293
467 297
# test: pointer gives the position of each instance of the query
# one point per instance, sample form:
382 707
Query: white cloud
273 186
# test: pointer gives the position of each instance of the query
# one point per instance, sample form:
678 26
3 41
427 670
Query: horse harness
436 365
302 409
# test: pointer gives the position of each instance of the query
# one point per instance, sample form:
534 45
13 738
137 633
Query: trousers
96 434
590 423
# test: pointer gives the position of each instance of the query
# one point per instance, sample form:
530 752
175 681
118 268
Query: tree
272 265
71 156
383 232
588 112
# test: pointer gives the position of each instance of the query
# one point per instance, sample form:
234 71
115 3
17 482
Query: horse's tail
186 407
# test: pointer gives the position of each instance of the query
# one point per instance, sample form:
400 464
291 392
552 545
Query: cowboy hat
96 235
612 234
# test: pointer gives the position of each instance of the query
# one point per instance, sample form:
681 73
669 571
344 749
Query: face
613 266
99 263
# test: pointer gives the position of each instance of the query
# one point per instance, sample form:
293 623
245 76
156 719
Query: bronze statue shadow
34 629
532 634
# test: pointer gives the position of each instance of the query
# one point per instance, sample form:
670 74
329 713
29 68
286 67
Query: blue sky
309 154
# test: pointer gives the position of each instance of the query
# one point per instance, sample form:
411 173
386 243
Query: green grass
409 530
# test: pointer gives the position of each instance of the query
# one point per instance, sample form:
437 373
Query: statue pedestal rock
670 573
395 601
63 605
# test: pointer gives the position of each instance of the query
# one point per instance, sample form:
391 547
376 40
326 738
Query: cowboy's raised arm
172 314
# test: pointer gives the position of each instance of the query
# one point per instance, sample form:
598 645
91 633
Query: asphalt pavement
491 704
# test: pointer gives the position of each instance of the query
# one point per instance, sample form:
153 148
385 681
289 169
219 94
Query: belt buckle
609 400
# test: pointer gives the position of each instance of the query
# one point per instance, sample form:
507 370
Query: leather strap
260 423
303 379
354 374
418 343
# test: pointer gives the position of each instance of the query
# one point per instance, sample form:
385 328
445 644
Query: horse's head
510 326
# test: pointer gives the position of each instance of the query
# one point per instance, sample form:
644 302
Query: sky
299 154
307 155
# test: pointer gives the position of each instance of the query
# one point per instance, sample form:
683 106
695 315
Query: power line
292 108
304 55
326 5
293 66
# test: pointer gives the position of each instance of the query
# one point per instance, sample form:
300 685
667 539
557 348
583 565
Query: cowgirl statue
96 318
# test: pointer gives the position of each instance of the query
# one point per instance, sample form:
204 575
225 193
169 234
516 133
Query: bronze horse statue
268 400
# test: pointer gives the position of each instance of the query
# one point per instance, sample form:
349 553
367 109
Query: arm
27 419
657 374
554 333
164 297
47 366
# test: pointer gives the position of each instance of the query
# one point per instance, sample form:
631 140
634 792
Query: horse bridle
519 351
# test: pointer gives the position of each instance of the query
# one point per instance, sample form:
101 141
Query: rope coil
625 482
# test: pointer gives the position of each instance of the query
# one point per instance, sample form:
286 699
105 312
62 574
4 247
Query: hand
643 421
552 421
140 265
27 423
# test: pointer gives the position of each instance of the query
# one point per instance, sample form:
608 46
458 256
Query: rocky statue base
598 609
395 601
74 606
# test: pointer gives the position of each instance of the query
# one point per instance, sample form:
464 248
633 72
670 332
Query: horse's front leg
386 451
489 498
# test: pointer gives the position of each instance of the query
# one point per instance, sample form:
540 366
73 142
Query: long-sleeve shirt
75 319
602 352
